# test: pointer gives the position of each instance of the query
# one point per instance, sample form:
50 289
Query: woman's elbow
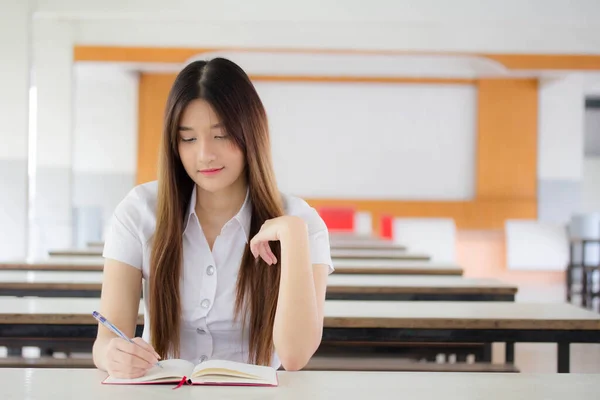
294 363
298 358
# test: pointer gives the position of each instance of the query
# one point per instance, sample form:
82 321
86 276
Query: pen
115 330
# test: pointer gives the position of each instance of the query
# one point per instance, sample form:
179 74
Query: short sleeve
320 251
122 240
318 234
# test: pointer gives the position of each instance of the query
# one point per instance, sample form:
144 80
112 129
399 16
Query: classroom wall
591 166
52 55
561 147
105 138
592 132
591 185
510 26
565 181
424 26
14 98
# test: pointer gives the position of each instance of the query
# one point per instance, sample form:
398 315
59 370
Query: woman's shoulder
141 197
145 193
138 208
298 207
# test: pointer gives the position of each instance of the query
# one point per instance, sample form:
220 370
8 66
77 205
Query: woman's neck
216 208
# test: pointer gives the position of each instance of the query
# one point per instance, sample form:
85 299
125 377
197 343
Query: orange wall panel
153 92
507 139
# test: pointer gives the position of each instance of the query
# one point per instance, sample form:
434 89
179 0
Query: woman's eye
188 140
221 137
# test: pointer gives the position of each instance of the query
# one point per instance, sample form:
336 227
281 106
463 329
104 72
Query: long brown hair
227 88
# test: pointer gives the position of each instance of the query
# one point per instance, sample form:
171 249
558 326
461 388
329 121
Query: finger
144 350
253 249
146 345
273 258
264 253
129 360
269 253
126 349
117 369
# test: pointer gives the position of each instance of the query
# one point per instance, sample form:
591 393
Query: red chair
338 219
385 228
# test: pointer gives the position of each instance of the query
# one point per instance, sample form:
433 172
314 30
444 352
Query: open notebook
212 372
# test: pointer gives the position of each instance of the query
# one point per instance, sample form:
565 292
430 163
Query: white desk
77 384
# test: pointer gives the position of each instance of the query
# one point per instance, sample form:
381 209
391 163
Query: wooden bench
349 252
376 254
395 267
370 363
337 243
364 245
342 266
433 288
340 287
54 264
87 252
317 363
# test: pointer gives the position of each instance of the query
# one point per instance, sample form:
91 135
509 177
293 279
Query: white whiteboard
396 141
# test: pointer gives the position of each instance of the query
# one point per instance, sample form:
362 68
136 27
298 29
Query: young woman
229 268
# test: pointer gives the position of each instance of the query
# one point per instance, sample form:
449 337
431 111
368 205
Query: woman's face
209 155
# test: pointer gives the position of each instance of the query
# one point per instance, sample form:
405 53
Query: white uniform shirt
208 280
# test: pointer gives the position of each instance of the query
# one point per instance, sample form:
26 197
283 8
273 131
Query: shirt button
201 331
210 270
203 358
205 303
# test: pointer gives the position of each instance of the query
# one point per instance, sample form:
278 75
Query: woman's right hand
129 360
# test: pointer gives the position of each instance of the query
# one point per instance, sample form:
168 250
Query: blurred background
469 130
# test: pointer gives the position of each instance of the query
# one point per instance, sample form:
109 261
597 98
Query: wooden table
462 322
54 264
342 266
418 288
76 384
337 243
365 245
395 267
376 254
32 321
340 287
339 249
51 283
87 252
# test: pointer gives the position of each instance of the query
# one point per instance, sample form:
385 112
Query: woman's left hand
276 229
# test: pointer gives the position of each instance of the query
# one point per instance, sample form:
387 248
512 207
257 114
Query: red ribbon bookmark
183 381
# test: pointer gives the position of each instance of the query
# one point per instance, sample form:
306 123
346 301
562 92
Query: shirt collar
243 216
